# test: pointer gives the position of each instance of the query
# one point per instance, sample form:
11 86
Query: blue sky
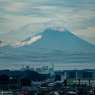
20 19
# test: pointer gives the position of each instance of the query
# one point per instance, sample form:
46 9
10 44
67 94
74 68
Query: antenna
22 66
53 66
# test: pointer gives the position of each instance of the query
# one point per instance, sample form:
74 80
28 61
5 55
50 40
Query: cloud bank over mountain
32 40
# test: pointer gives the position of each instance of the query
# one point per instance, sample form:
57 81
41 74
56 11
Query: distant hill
52 45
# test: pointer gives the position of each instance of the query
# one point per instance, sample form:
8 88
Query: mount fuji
54 39
52 45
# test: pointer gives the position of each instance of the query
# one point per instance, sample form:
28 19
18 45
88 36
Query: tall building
87 75
72 74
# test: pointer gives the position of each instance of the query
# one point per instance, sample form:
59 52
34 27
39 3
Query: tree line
15 78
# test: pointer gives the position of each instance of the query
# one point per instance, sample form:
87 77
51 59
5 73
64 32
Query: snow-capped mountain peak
61 29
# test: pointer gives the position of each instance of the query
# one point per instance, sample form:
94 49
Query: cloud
87 13
32 40
13 6
71 14
4 20
19 21
88 32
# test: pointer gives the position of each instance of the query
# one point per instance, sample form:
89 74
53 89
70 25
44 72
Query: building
72 74
88 82
77 74
39 69
87 75
42 70
27 68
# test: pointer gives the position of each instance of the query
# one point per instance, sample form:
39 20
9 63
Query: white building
88 82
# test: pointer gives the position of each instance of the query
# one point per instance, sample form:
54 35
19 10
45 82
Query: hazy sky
20 19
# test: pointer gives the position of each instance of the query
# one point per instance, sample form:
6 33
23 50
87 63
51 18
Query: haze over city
43 32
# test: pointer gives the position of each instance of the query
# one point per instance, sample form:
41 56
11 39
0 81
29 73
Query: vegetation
25 82
18 75
14 79
57 77
4 79
34 76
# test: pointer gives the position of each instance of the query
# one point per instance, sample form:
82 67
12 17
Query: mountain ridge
53 46
54 39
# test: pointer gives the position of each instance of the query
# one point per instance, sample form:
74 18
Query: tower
53 66
22 66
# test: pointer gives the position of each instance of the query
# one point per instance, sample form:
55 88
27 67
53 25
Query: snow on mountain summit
61 29
57 39
52 45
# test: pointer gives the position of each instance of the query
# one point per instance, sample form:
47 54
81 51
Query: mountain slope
53 46
57 40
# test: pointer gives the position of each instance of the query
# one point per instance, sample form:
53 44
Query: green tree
25 82
35 76
4 79
65 82
44 84
57 77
